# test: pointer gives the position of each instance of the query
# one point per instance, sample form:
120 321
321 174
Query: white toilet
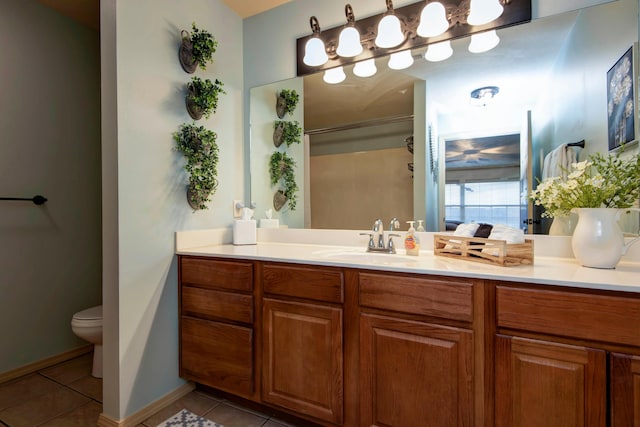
87 324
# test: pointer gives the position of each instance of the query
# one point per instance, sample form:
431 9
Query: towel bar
38 200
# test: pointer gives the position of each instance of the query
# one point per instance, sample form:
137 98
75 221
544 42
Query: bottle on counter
420 226
411 241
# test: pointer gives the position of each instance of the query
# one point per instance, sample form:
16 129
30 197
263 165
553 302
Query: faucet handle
390 245
371 243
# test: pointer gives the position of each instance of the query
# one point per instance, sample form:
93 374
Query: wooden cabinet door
217 354
540 383
625 390
303 358
415 374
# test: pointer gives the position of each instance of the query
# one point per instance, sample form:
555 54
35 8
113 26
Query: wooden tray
488 251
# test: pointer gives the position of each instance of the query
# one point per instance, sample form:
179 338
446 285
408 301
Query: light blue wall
145 184
50 124
578 95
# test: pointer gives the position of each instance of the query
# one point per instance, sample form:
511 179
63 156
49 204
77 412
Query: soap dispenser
411 241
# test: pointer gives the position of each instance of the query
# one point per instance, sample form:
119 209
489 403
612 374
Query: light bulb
483 42
400 60
433 20
438 51
366 68
484 11
389 32
349 44
315 53
334 75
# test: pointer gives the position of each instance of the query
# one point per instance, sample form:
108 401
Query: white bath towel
559 161
504 232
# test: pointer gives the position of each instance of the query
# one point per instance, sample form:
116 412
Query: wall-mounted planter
185 53
197 198
195 112
202 97
279 200
278 131
286 102
282 175
196 49
288 132
201 151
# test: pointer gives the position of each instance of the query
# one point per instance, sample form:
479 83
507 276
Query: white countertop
559 271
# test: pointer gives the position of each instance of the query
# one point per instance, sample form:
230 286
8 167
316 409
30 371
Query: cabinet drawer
217 355
212 304
218 274
575 315
444 298
321 284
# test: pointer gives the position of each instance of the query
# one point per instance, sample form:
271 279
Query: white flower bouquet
598 182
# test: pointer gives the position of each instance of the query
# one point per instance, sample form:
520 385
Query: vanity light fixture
389 29
366 68
315 53
438 51
483 95
401 60
349 44
484 11
334 75
483 42
407 28
433 20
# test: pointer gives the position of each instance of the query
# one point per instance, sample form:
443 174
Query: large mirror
413 145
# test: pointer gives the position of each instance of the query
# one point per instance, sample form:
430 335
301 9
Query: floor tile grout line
70 388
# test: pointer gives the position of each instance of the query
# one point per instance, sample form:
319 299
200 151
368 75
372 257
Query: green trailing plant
204 46
601 181
287 102
282 173
198 145
290 131
202 96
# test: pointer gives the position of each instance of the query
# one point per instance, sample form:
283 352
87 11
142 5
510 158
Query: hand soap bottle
411 241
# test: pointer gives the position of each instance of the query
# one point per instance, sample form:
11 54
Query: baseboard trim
44 363
146 412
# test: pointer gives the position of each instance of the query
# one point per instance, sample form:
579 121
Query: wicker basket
488 251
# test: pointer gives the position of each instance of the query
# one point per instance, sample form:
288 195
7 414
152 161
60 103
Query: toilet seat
90 317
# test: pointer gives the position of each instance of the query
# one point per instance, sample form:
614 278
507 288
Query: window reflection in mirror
554 68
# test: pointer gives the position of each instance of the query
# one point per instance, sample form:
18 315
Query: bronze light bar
515 12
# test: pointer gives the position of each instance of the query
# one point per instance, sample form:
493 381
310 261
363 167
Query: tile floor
66 395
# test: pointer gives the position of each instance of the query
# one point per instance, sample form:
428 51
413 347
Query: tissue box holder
470 249
244 232
269 223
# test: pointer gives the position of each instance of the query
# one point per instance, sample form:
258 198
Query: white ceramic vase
597 240
563 225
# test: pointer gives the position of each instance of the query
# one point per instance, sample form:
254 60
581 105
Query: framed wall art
622 81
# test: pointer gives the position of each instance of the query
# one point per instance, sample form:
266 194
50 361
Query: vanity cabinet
216 324
560 359
302 349
415 369
362 348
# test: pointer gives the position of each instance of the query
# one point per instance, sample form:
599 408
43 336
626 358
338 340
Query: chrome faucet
376 237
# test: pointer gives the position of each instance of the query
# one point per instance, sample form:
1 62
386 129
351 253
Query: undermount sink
366 257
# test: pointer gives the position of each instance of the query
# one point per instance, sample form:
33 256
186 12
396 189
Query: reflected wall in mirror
263 117
552 79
